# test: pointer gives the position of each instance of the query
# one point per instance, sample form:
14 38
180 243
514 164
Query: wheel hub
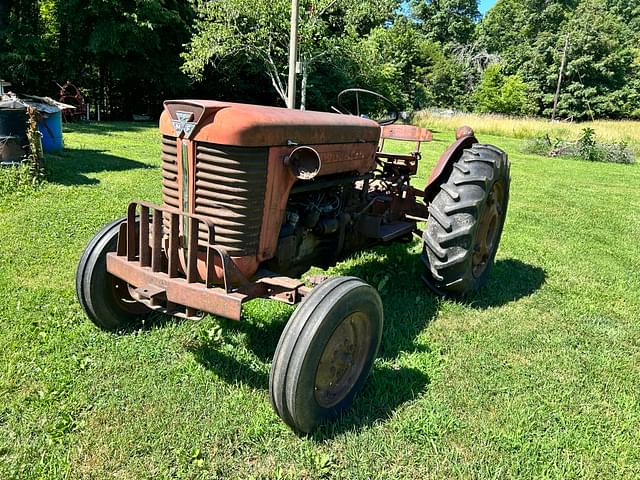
342 360
487 234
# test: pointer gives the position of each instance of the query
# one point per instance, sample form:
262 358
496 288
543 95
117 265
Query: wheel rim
119 291
343 359
488 229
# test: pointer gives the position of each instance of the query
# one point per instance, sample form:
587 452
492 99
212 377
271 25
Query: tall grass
610 131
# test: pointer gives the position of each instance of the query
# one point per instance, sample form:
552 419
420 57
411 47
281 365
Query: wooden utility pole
293 55
562 65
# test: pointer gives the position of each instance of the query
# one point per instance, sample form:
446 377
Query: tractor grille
230 189
230 185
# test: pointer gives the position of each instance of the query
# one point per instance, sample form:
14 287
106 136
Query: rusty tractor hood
245 125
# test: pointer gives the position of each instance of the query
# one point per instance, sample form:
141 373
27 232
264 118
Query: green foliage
499 93
23 179
258 32
124 55
447 21
585 148
16 180
35 159
598 66
422 53
600 75
588 148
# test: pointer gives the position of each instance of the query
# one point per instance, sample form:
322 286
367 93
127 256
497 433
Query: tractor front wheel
326 352
105 298
465 222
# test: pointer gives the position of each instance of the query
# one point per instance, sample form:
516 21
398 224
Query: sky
485 5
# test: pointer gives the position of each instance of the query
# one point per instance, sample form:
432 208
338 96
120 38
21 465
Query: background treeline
129 55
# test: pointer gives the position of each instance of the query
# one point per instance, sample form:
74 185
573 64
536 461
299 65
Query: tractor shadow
409 308
69 167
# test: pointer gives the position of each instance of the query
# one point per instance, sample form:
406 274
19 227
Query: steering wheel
369 98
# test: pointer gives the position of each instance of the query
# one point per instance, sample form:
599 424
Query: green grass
537 377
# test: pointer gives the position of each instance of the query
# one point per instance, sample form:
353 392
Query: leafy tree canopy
128 56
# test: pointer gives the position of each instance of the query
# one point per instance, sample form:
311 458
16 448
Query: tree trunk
101 73
562 65
278 88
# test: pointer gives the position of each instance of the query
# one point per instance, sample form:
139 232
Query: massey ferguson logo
184 124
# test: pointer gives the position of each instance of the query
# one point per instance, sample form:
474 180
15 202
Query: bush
25 177
585 148
498 93
589 149
16 179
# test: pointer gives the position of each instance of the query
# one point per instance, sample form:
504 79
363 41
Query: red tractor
254 196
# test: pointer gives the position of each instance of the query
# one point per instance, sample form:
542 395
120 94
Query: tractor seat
404 133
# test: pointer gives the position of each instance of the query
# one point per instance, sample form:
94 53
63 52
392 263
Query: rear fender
442 169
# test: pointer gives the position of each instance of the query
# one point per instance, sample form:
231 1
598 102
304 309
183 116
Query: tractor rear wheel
326 352
465 222
105 298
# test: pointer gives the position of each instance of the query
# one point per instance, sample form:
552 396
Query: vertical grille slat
169 177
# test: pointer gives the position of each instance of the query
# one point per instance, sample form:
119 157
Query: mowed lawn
538 376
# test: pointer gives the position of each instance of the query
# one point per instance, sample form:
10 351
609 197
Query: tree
598 66
22 48
124 54
499 93
447 21
529 36
629 11
111 40
259 32
5 10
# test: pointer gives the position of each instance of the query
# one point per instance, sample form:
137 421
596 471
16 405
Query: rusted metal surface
155 276
452 154
464 131
71 96
230 186
280 180
406 133
284 289
226 184
178 291
242 125
410 133
170 190
244 188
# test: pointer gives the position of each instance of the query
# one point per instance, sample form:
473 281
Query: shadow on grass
70 167
409 308
508 281
105 128
385 391
386 388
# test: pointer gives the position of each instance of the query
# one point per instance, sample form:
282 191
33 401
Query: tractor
254 196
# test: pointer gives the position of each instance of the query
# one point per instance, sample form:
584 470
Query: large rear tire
465 222
105 298
326 352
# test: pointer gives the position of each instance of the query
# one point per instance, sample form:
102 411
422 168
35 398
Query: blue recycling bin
51 129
